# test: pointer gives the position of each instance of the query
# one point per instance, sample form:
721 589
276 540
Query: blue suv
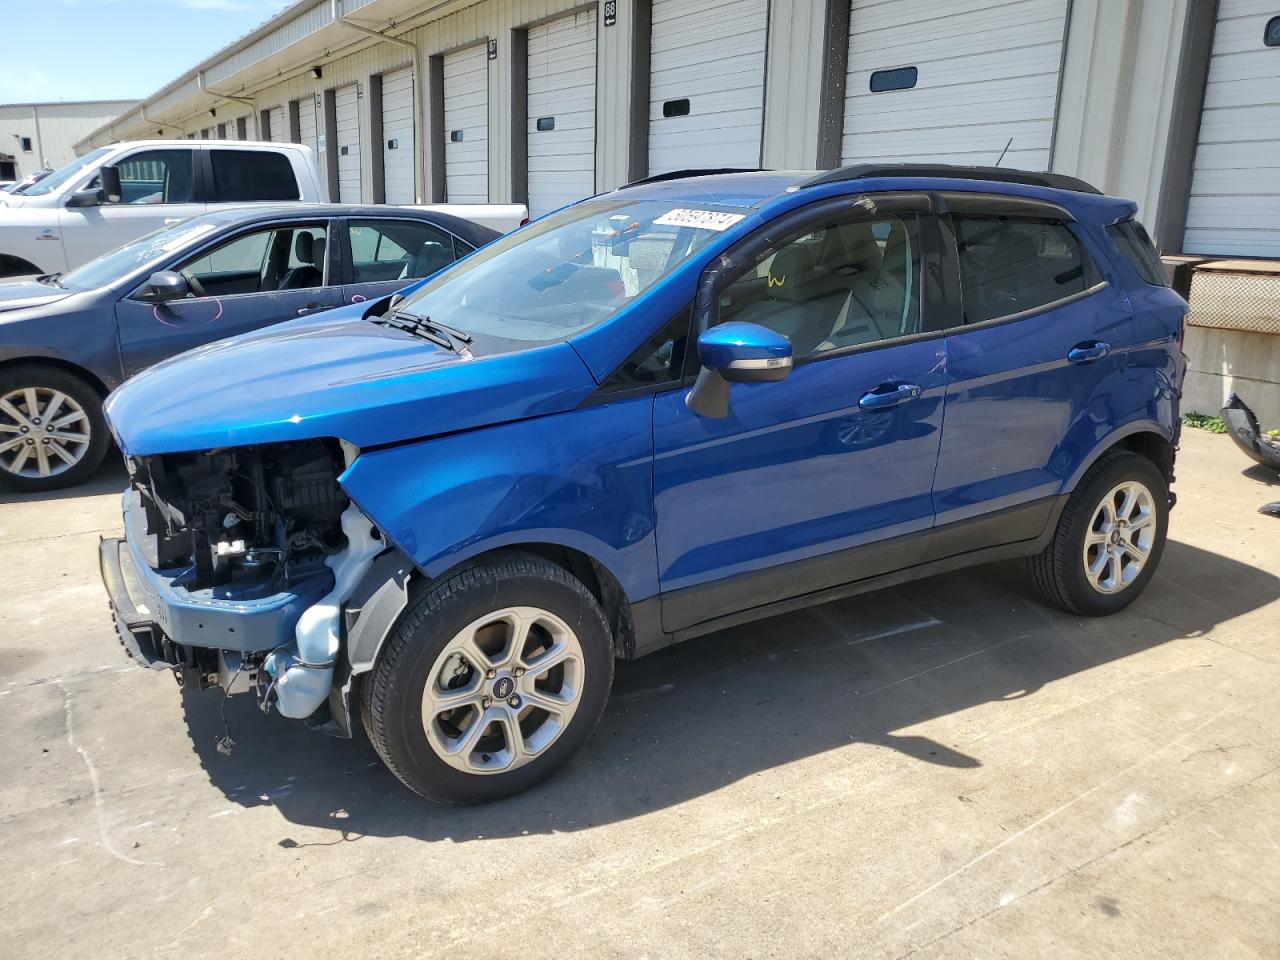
695 401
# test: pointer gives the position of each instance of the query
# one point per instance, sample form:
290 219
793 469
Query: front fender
581 479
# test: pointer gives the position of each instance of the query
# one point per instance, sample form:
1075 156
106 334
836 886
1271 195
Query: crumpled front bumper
157 616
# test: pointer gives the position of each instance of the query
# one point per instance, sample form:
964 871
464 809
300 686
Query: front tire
492 679
1109 539
52 432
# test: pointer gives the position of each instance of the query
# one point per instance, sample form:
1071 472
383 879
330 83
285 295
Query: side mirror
736 353
85 198
109 177
167 285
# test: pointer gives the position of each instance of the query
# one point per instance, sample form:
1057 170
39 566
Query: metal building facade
1171 102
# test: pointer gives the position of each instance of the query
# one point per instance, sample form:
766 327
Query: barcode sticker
699 219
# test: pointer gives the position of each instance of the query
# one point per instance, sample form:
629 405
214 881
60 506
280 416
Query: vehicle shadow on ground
110 477
1263 474
693 718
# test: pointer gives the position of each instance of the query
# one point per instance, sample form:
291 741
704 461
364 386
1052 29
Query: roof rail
681 174
862 171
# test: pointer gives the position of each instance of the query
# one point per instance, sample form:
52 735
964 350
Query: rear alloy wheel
1109 538
494 677
1121 535
52 433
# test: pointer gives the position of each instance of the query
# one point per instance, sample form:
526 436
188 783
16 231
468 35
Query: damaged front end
235 566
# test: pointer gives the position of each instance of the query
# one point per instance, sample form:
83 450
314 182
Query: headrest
791 265
304 247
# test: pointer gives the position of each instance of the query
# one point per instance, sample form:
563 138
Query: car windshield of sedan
124 260
567 272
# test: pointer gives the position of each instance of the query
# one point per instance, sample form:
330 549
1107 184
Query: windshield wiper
428 329
51 280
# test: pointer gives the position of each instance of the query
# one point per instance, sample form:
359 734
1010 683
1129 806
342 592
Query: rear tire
1109 539
52 432
462 703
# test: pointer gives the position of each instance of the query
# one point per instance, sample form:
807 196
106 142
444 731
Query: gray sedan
68 340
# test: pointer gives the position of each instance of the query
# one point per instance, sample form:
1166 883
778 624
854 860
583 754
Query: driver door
157 189
253 279
825 477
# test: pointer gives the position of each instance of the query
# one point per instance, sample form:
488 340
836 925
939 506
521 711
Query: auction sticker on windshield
701 219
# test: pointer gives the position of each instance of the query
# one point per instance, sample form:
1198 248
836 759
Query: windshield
138 253
567 272
56 179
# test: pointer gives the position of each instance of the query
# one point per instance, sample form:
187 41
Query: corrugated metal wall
1119 69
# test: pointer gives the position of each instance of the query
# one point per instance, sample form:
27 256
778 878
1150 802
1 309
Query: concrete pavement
947 769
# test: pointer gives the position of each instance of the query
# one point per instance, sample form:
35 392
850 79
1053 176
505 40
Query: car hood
341 376
19 294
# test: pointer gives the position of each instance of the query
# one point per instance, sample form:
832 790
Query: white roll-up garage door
706 86
953 81
562 112
466 125
1234 208
398 156
309 134
347 128
279 123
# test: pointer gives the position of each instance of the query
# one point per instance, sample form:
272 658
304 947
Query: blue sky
113 49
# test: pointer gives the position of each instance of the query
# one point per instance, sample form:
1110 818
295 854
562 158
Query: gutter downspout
419 159
161 123
39 144
252 104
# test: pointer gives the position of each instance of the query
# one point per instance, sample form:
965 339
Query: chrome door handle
882 398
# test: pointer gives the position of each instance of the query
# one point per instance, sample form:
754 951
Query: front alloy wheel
494 676
51 429
503 690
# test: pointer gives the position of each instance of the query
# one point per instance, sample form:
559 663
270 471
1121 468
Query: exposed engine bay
267 516
244 558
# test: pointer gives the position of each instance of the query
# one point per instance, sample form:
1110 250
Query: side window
851 283
155 176
246 175
397 249
1009 265
660 359
1131 238
282 258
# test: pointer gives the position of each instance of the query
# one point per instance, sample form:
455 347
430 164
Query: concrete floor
945 769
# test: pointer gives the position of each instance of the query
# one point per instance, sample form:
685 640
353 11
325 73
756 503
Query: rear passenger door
1035 351
255 278
383 255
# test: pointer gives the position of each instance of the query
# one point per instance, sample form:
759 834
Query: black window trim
1003 205
233 234
196 175
797 223
726 268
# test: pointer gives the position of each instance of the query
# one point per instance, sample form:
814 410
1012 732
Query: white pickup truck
120 192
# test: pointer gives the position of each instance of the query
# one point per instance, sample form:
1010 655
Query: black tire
1059 572
54 378
392 693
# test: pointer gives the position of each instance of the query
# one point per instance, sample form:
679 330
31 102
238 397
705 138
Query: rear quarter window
1132 240
248 175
